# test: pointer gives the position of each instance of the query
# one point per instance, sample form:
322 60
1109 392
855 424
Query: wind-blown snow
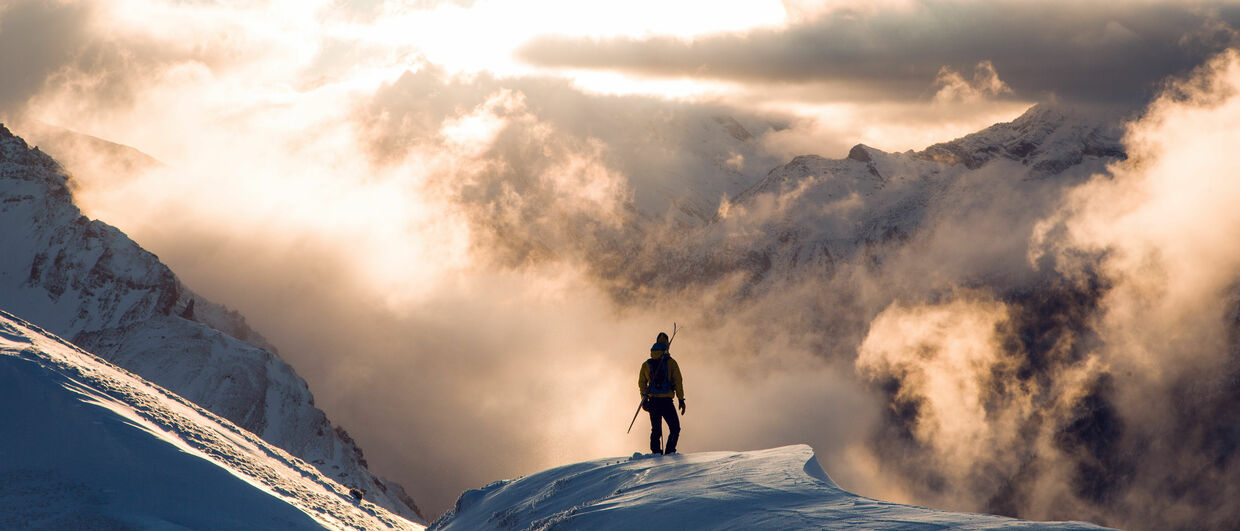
779 488
89 445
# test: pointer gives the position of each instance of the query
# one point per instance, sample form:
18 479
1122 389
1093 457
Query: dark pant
662 408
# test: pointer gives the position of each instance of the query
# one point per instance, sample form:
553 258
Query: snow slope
779 488
89 445
87 281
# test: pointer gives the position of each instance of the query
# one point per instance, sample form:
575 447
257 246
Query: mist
468 266
1095 387
419 250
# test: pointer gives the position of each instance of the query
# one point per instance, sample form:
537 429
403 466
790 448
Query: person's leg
673 427
656 427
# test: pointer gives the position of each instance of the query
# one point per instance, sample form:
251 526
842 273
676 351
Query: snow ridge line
146 404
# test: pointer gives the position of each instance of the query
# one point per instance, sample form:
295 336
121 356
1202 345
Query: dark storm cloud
1106 53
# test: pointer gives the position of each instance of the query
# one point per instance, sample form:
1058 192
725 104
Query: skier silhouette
659 380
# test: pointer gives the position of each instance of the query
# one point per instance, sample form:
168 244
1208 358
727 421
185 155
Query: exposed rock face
85 280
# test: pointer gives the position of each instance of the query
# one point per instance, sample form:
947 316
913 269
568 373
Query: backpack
660 381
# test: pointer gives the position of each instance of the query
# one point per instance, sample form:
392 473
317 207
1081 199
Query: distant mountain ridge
809 214
1047 138
86 280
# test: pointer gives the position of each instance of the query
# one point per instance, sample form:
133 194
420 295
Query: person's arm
680 385
676 379
642 377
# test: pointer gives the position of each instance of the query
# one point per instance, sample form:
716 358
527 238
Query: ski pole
639 410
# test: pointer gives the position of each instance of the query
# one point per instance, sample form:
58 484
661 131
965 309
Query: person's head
662 337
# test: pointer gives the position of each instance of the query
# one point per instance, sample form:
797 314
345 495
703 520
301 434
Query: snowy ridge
87 281
101 447
1047 138
779 488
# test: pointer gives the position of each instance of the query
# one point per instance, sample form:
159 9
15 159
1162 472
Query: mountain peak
1045 112
860 153
1047 137
15 150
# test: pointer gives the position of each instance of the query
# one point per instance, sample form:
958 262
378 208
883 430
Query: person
659 380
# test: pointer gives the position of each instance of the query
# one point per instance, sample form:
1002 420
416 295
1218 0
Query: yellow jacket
644 376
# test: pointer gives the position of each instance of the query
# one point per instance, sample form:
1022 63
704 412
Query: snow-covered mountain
780 488
86 281
89 445
1047 138
810 213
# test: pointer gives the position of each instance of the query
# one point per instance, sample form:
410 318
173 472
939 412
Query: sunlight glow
619 84
484 36
831 128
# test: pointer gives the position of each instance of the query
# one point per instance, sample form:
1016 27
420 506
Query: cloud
37 39
1174 281
453 258
423 248
952 373
1165 232
1147 218
954 87
1099 386
1042 49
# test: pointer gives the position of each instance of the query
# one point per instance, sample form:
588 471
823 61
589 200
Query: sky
396 193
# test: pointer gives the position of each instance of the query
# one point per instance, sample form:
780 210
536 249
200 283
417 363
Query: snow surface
89 445
779 488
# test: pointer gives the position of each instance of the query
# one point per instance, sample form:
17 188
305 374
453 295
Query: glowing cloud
407 198
1167 225
954 87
